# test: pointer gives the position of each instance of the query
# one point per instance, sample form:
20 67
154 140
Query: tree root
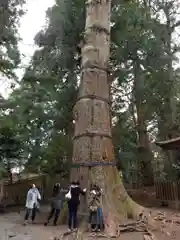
142 225
118 207
149 235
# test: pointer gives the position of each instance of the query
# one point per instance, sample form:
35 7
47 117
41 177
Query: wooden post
1 191
176 194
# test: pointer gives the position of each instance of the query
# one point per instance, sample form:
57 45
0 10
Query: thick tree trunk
145 152
169 126
92 138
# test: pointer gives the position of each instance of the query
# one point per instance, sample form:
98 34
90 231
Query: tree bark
93 138
9 173
145 153
169 126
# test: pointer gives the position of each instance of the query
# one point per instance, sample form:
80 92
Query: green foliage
10 149
41 108
144 89
10 14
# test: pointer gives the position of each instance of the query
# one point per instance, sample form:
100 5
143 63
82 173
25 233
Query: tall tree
132 59
41 108
144 151
93 138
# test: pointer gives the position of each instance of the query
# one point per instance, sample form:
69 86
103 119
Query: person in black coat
73 200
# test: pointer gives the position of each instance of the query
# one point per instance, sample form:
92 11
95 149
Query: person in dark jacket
57 203
73 200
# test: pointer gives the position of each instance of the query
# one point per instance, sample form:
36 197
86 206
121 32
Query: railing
168 192
163 191
15 194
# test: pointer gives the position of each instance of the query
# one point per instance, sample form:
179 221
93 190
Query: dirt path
11 227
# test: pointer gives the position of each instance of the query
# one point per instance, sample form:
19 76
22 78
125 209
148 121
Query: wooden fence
15 194
168 192
163 191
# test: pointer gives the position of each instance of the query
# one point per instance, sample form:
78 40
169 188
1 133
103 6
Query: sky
30 24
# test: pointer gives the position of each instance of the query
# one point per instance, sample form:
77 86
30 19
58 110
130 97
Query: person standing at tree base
95 210
73 200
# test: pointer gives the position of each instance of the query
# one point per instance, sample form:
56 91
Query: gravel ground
11 227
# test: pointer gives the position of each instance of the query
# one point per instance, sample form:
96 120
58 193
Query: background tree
10 151
10 13
41 107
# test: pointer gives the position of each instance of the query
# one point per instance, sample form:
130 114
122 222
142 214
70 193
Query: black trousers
31 212
54 212
72 216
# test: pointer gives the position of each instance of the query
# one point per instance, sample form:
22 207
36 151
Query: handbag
38 205
93 208
68 195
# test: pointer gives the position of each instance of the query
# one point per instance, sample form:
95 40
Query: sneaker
69 230
74 229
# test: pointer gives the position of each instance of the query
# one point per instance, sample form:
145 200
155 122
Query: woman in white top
32 203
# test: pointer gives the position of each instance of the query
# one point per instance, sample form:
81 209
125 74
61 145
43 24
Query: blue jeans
72 218
96 219
100 217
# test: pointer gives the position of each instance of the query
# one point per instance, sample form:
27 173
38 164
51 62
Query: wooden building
168 191
171 149
170 144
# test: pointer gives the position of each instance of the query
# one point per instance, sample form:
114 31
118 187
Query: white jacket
32 198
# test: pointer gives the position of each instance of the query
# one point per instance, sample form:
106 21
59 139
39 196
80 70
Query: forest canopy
37 121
